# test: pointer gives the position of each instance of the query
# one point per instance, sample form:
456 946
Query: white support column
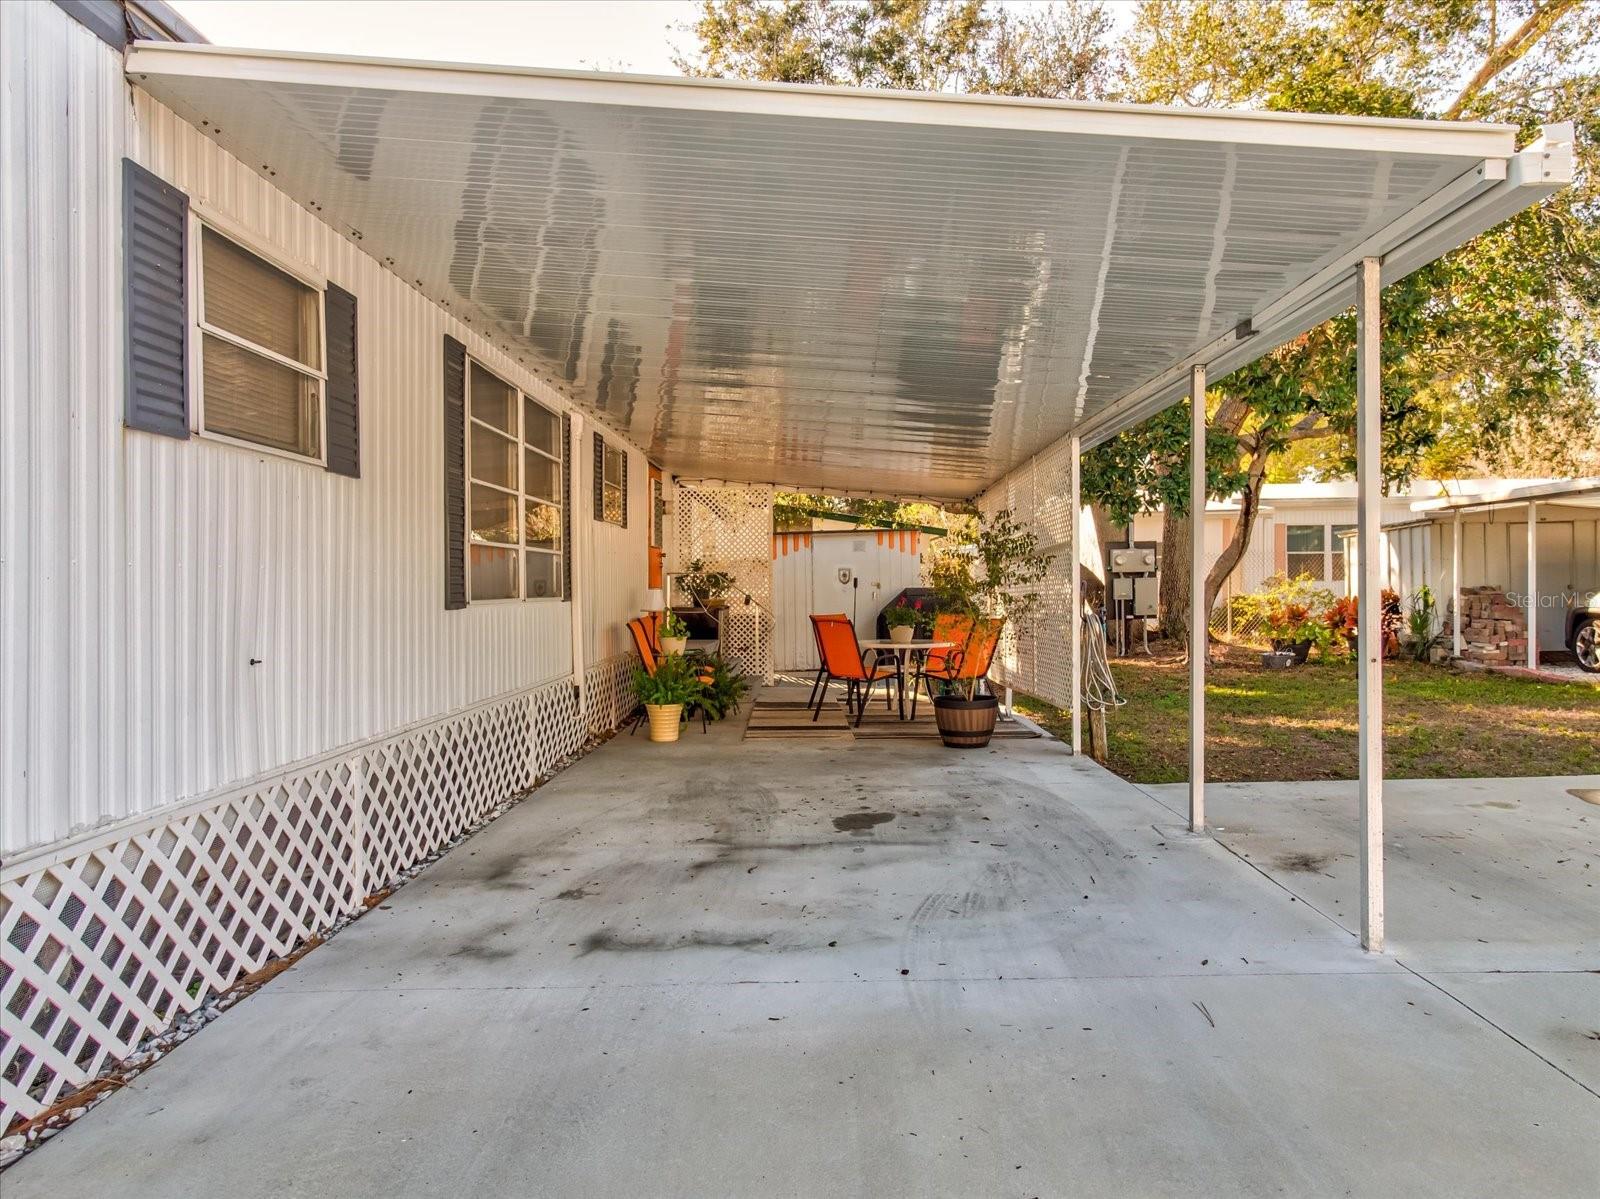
1075 599
1533 585
577 559
1369 487
1455 585
1199 618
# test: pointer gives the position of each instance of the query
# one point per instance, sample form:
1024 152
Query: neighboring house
1298 527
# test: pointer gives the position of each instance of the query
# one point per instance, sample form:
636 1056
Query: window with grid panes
514 498
1307 551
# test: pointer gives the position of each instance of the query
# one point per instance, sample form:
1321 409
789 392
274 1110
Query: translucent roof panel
823 288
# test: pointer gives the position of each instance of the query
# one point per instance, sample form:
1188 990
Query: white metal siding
141 574
618 562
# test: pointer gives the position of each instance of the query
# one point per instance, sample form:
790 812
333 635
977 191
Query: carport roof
852 291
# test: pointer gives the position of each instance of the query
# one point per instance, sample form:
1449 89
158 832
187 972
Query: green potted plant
989 574
1422 623
674 635
709 588
902 622
1292 613
664 694
725 688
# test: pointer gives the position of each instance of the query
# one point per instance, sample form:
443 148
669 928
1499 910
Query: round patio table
902 651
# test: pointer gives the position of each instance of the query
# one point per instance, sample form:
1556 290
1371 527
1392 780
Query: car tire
1586 644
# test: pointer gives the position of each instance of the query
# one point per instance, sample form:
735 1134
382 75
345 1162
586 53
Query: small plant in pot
674 635
665 693
988 577
902 622
1291 613
709 588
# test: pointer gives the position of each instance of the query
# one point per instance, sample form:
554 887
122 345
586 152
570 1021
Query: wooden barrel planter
966 723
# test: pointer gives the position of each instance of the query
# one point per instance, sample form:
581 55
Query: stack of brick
1494 630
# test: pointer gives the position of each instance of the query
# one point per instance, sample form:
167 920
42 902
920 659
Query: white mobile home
351 406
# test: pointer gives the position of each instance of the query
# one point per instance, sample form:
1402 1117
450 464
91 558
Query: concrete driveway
766 968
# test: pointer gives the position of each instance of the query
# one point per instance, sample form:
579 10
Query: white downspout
579 564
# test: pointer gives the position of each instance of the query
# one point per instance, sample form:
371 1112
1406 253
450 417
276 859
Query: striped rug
781 712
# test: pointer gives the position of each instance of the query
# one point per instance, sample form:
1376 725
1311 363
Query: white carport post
1455 585
1199 618
1369 483
1533 585
1074 600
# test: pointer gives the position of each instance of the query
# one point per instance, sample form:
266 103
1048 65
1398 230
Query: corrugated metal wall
141 574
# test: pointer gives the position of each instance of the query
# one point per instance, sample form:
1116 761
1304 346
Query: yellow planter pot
665 720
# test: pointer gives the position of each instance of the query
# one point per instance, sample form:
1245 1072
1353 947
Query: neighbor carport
850 291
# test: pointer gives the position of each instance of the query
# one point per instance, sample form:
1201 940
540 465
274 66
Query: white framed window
614 486
514 493
261 346
1307 547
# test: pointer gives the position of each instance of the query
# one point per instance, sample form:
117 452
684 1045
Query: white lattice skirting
117 934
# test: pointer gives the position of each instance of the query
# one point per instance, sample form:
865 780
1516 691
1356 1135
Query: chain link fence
1232 621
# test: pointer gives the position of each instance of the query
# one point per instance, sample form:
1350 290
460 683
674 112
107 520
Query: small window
614 491
261 350
1307 546
514 465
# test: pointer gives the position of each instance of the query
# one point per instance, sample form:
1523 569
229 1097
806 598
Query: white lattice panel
730 528
110 943
1036 657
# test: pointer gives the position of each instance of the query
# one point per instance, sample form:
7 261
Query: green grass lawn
1300 724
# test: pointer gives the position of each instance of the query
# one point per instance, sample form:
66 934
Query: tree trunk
1233 553
1173 600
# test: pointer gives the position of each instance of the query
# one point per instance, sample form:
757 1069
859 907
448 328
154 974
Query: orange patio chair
843 660
970 659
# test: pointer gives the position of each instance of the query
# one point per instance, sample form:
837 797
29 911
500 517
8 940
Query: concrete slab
858 968
1482 874
1492 888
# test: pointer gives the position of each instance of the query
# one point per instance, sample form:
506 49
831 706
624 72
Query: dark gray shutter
567 460
455 471
624 489
155 217
599 477
344 416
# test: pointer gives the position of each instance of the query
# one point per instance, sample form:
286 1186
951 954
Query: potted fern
989 575
674 635
665 693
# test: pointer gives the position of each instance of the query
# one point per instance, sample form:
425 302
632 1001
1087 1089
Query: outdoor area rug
781 712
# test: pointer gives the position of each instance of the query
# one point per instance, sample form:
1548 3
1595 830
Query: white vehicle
1583 629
